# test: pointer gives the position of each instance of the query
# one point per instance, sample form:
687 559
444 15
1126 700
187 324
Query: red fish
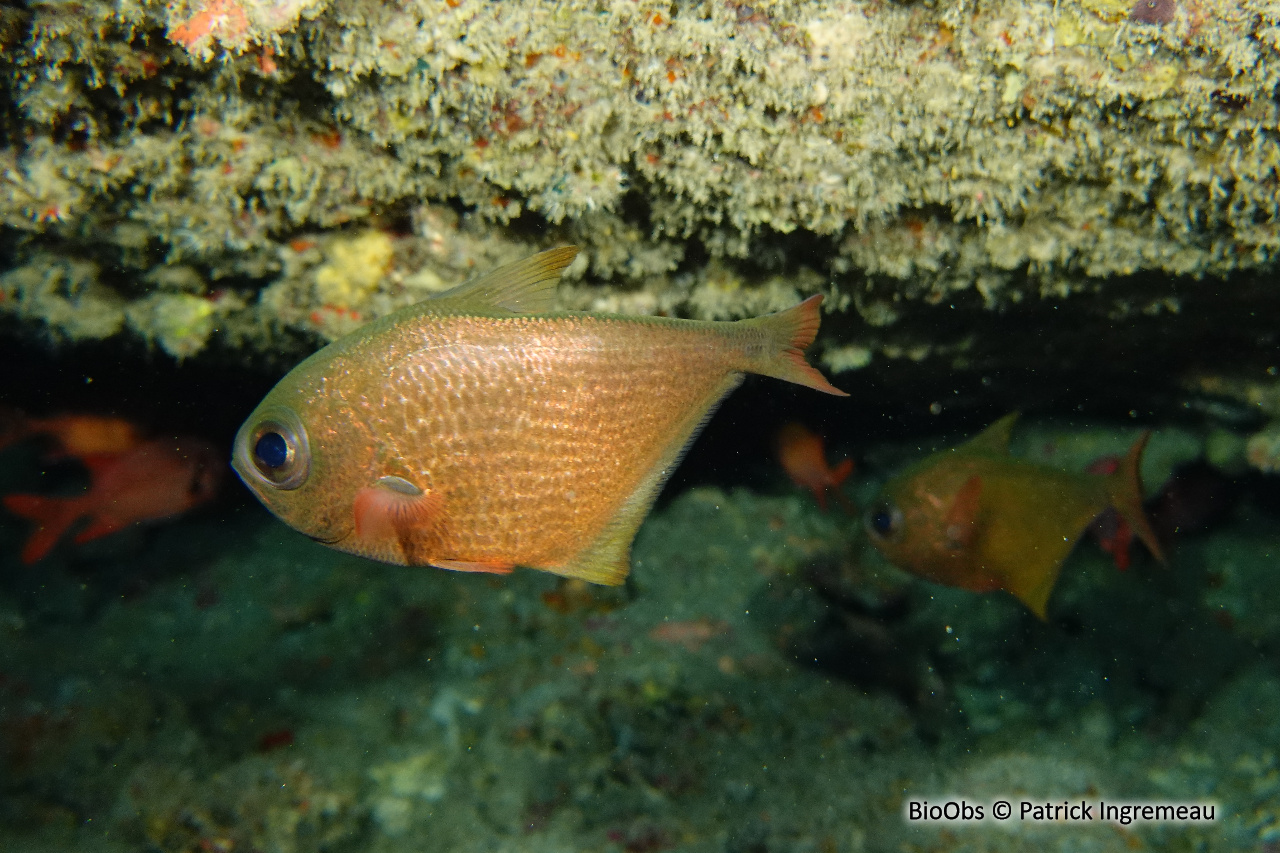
153 481
804 458
75 434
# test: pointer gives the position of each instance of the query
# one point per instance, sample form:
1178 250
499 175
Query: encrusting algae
476 432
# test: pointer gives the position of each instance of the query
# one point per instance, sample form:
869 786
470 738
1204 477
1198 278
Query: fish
154 480
804 458
75 435
479 430
973 517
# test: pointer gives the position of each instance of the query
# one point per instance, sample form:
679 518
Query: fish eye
884 522
278 449
271 451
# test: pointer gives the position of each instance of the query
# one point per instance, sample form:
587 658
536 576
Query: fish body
975 518
152 481
804 457
478 432
77 435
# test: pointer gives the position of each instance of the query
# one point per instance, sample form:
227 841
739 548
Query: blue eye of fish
276 451
271 451
884 521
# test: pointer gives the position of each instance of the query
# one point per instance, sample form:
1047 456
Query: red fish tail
1125 489
52 516
790 333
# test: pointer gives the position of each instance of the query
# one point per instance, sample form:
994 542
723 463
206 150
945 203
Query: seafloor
764 682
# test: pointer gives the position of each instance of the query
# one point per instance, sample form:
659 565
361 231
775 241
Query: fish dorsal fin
995 438
525 287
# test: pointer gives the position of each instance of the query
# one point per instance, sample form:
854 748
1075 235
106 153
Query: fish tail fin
790 333
841 472
52 517
1125 489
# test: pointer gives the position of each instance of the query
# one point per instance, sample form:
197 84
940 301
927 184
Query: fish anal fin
841 472
1034 581
490 567
607 560
995 438
1027 562
526 286
394 508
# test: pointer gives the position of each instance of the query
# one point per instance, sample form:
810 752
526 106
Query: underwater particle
353 268
1153 11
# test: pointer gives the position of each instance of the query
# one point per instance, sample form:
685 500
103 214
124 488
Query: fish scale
524 428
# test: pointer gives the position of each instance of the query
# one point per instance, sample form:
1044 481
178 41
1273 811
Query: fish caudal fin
790 333
53 516
1125 489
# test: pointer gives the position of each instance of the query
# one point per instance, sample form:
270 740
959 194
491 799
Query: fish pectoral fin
394 507
474 566
962 516
524 287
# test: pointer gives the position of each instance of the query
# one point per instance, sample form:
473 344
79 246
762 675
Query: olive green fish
477 431
976 518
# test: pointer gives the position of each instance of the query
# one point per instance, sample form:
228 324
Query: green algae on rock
1018 151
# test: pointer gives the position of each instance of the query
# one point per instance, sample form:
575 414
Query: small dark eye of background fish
884 521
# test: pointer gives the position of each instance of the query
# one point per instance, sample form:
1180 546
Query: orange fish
973 517
76 435
477 431
804 458
155 480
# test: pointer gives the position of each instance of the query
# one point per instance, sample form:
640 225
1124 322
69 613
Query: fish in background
77 435
477 431
804 457
975 518
151 481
